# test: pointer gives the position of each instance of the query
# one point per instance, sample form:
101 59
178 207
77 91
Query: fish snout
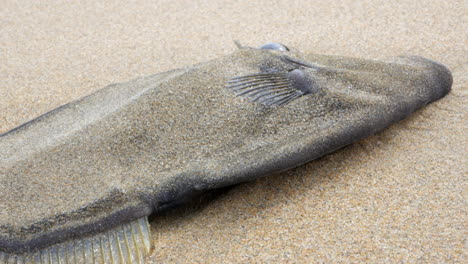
437 77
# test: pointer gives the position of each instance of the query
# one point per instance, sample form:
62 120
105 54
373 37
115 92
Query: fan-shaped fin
128 243
268 88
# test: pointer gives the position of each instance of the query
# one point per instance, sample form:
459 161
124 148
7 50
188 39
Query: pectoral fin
271 88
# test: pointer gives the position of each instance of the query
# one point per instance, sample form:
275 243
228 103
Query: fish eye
274 46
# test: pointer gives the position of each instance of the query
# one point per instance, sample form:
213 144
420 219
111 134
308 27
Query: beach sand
398 196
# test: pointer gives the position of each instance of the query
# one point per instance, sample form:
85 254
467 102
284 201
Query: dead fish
78 183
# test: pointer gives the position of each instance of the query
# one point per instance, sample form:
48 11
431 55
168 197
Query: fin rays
128 243
270 89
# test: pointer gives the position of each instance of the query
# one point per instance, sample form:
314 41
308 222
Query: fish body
114 157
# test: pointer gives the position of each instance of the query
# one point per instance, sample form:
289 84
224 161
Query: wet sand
396 196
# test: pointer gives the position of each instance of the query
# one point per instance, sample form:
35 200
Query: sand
396 196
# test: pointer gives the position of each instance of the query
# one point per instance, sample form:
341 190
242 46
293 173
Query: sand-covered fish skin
116 155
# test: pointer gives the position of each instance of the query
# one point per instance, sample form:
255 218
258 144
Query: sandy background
397 196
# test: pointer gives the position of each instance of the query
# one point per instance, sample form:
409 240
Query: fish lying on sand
78 183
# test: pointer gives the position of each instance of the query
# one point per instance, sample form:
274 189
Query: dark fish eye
274 46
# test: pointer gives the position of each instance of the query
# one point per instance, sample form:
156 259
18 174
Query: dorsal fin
271 88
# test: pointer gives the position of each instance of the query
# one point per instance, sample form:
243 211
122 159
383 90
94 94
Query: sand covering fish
78 183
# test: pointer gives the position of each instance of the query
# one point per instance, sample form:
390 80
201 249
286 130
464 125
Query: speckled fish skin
131 148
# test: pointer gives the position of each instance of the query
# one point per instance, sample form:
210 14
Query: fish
78 183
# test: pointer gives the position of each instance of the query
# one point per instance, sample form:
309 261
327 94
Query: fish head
308 73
